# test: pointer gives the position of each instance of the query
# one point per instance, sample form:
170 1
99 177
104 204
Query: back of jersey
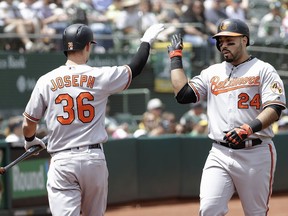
74 101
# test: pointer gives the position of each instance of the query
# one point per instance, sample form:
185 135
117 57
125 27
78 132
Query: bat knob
2 170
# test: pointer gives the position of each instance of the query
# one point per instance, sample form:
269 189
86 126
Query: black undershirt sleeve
186 95
277 108
139 60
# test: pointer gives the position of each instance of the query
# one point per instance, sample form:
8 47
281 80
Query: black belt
241 145
93 146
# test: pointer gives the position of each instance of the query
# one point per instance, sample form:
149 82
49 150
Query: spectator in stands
180 129
270 24
195 114
12 22
200 128
155 106
29 15
150 126
101 24
198 33
235 10
122 131
53 20
14 134
169 122
147 17
167 12
215 13
127 25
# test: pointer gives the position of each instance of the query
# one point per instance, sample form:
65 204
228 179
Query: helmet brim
226 33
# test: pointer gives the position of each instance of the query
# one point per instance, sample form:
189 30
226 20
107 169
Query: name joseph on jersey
72 80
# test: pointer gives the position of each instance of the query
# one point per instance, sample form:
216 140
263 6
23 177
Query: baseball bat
30 152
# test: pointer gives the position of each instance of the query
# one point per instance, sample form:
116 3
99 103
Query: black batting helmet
76 37
232 27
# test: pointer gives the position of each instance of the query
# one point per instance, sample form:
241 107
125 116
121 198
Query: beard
228 57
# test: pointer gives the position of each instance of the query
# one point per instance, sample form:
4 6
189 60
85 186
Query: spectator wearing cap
155 106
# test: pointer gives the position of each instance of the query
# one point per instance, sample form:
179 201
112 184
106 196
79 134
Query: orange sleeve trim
30 117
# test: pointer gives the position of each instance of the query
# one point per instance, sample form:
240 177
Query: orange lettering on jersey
218 86
67 81
83 79
59 82
54 86
90 82
74 80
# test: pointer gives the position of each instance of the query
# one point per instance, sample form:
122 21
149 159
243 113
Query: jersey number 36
84 112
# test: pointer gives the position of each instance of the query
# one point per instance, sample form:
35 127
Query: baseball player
72 99
244 97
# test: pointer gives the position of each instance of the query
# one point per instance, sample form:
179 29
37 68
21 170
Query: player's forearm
178 79
267 117
139 60
29 128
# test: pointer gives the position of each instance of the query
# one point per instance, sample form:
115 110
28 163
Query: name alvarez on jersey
218 86
72 80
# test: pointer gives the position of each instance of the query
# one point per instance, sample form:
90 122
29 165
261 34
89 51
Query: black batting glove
238 134
176 46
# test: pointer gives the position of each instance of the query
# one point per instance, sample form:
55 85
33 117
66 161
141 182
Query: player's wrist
247 128
30 139
176 63
255 125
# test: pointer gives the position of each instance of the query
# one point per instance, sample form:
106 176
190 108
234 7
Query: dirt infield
278 207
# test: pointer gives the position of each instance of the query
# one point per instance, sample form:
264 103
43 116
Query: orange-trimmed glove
176 46
238 134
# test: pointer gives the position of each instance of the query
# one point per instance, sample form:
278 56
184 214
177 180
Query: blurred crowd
36 25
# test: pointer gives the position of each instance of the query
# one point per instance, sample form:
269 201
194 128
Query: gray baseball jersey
249 87
75 94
